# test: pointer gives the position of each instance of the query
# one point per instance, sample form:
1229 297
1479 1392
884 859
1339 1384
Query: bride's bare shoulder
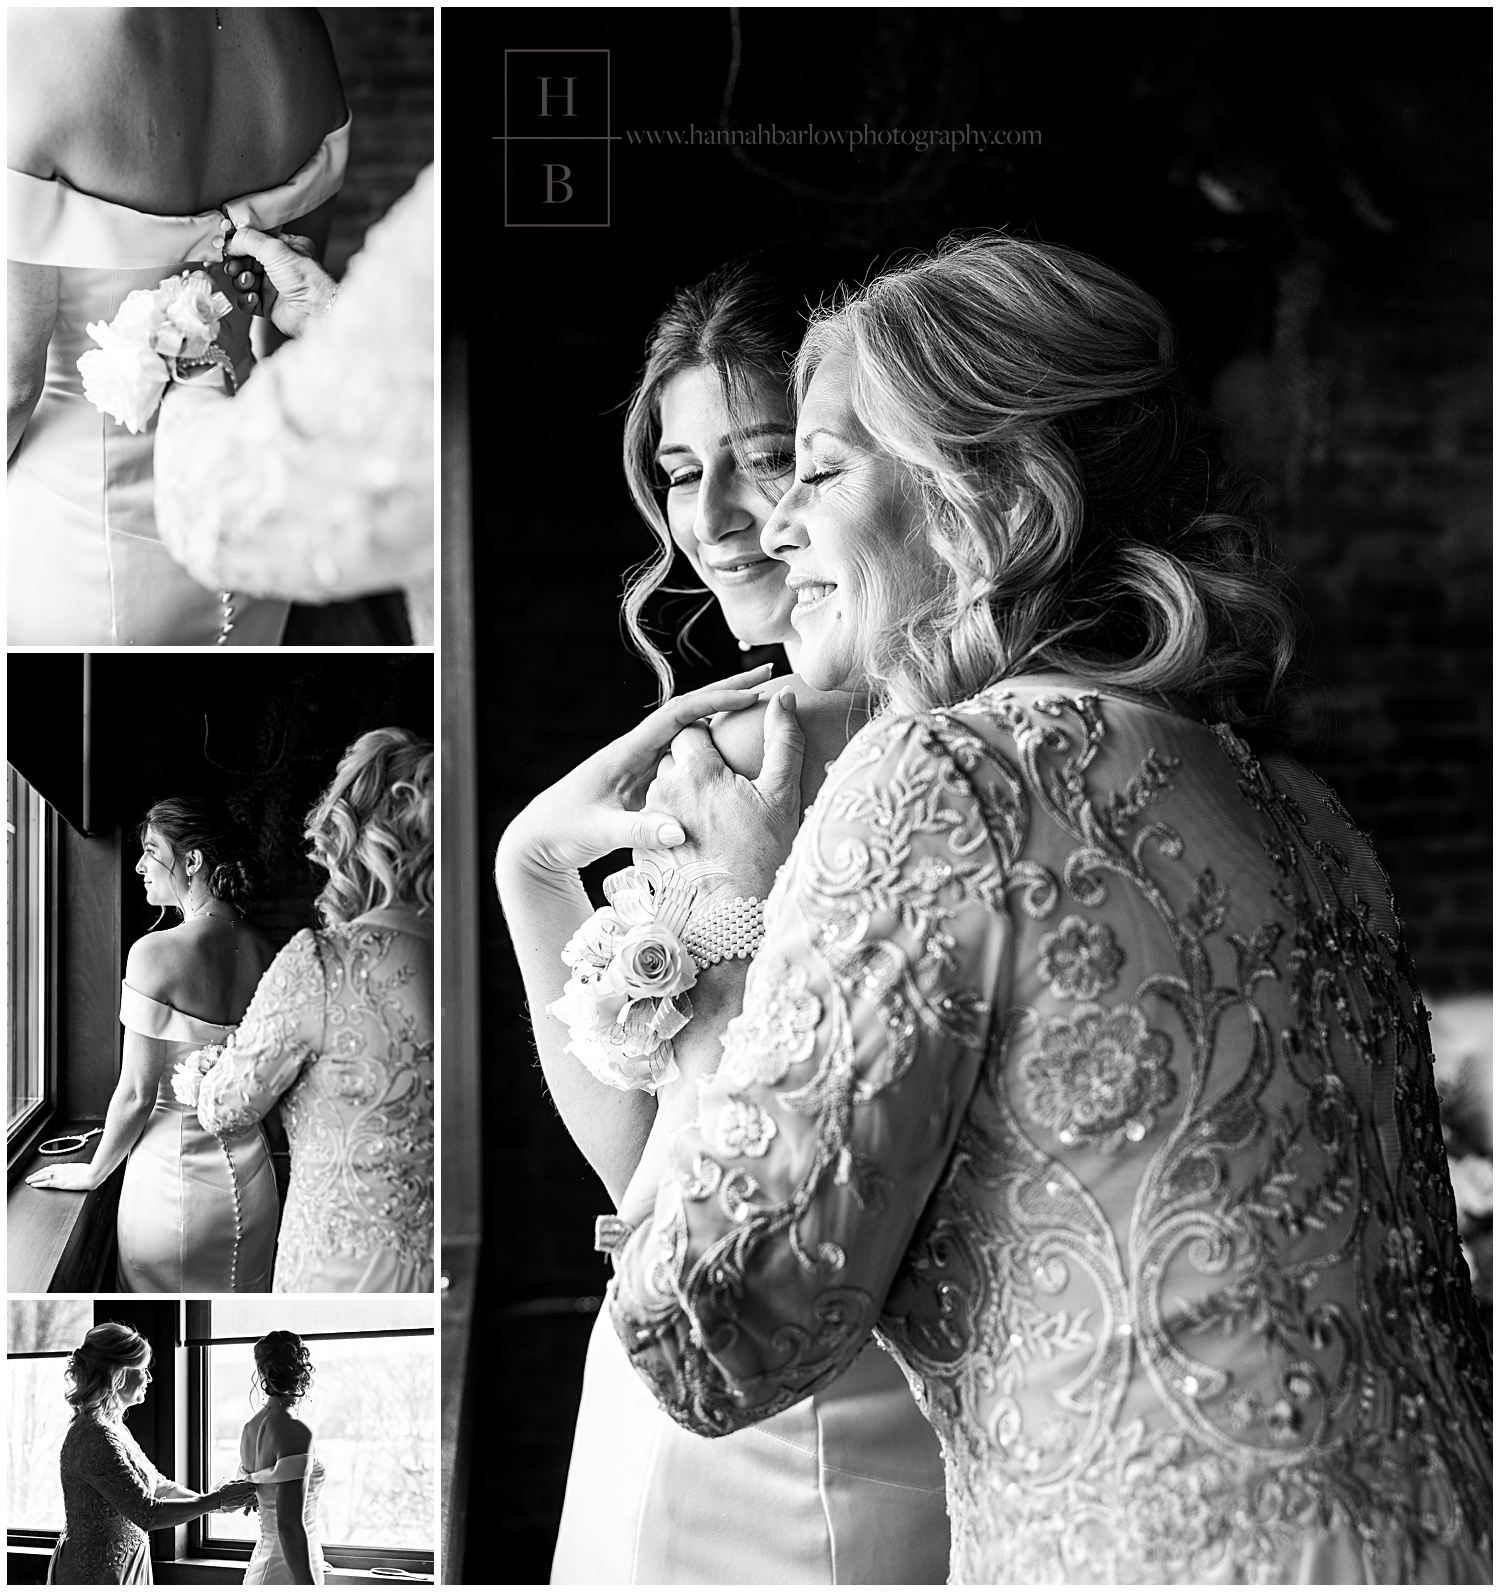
155 963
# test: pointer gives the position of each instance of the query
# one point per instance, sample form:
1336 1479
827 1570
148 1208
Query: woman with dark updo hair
340 1033
276 1453
112 1494
197 1213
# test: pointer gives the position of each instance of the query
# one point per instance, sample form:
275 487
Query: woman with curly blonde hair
340 1033
112 1494
1082 1056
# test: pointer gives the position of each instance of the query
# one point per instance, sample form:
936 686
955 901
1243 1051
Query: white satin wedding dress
85 564
198 1211
268 1566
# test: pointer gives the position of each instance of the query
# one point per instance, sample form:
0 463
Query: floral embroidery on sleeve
865 1019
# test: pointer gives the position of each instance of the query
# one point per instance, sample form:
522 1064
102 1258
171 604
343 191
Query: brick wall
1371 428
385 59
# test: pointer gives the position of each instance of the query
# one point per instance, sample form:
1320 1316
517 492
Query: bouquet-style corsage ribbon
159 335
633 963
189 1073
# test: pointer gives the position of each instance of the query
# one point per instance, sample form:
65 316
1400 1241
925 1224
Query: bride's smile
158 870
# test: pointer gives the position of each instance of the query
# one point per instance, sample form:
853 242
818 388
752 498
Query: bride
197 1214
276 1453
137 138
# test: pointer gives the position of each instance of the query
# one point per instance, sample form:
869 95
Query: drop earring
744 646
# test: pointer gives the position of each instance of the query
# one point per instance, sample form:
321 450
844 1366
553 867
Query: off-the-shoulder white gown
268 1566
197 1212
85 564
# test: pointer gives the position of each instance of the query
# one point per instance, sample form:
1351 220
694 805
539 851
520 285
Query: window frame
33 1536
23 1136
341 1556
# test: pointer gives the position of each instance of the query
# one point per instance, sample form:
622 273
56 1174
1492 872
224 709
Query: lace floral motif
1099 1077
340 1032
109 1498
1079 960
740 1127
1242 1345
775 1030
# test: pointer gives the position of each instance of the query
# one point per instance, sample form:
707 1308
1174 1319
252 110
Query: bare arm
130 1108
30 316
596 809
291 1500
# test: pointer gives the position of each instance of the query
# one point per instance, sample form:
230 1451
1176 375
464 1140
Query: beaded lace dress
110 1501
340 1033
1085 1061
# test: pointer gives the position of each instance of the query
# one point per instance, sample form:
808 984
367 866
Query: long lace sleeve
774 1239
281 1029
125 1479
316 482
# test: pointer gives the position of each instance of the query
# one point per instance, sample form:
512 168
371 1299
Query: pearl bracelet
725 930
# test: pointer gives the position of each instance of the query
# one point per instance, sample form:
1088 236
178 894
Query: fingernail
671 835
787 698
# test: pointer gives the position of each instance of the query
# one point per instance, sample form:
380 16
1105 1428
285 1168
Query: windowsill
58 1240
198 1571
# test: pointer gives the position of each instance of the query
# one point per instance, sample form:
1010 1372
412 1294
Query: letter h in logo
556 138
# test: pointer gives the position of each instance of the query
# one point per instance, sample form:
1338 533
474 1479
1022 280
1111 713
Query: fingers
287 265
780 774
646 831
655 733
691 744
300 245
735 692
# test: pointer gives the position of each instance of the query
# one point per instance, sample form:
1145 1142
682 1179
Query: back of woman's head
97 1367
1078 504
372 828
283 1366
190 823
744 323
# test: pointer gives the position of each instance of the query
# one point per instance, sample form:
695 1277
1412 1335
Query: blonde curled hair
96 1368
372 828
1075 503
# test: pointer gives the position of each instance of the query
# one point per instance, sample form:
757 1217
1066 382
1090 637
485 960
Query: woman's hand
304 290
234 1495
75 1175
744 827
602 805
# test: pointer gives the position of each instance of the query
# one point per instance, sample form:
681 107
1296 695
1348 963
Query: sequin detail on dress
1174 1275
340 1032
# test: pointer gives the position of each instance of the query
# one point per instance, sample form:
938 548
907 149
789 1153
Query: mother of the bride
1083 1056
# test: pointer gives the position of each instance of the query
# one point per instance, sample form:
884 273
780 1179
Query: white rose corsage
189 1073
627 996
158 335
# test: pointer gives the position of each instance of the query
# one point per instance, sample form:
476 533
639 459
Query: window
43 1332
372 1409
30 829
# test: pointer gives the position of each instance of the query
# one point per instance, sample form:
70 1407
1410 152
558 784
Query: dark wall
263 734
385 60
1307 192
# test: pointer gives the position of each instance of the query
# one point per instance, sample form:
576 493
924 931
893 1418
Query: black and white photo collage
749 806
